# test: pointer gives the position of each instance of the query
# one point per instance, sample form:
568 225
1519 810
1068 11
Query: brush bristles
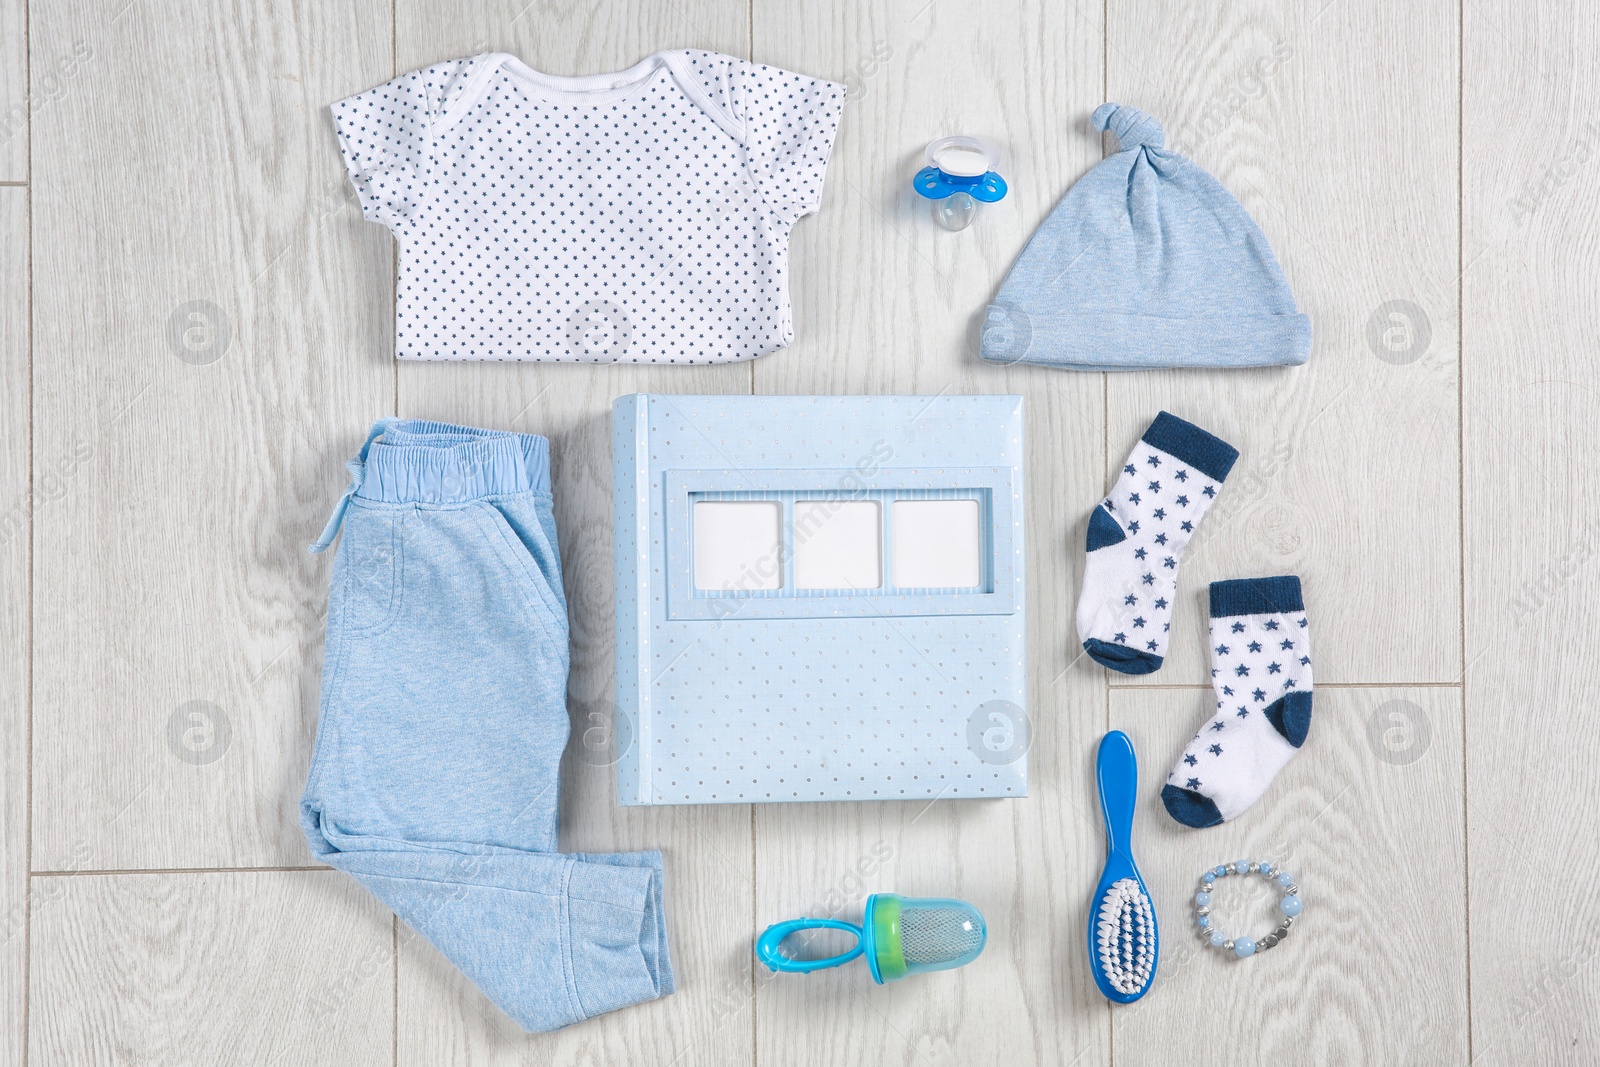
1126 936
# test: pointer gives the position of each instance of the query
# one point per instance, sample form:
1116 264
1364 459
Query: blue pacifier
960 174
899 936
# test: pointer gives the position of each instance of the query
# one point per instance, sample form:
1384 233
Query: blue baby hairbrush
899 936
1123 942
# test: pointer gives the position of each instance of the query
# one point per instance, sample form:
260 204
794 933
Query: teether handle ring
767 950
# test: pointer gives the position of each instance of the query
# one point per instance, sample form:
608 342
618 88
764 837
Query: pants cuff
617 932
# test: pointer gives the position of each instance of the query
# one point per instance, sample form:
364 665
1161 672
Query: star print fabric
1136 539
635 217
1261 679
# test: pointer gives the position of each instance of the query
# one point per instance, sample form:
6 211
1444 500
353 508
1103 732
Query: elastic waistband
416 461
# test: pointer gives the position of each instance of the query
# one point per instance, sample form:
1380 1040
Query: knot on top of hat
1132 126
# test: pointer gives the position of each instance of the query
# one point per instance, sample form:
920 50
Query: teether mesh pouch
913 935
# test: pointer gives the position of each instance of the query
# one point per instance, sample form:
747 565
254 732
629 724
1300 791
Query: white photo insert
937 544
738 545
838 544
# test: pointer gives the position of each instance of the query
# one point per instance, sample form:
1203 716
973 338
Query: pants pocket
521 534
366 591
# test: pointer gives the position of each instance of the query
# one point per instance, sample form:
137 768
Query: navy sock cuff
1256 596
1188 442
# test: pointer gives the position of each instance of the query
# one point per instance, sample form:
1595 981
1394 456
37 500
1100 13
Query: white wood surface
15 503
259 967
1440 508
13 90
176 568
1532 258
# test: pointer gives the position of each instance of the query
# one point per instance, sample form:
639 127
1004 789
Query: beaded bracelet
1246 946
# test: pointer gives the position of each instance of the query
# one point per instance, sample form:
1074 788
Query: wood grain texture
261 967
197 447
1335 126
16 505
707 850
13 90
184 153
885 302
1370 824
1531 250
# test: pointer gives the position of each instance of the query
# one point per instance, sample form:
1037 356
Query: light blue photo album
819 598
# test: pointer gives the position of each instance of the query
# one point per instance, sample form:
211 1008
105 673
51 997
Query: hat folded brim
1107 341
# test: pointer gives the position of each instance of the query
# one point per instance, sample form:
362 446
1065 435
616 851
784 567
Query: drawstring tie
358 473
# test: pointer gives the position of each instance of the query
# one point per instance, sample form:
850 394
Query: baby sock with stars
1261 675
1136 537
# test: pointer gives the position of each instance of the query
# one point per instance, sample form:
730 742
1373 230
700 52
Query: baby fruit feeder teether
959 174
899 936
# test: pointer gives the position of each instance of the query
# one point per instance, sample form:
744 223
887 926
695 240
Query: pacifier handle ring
767 945
937 147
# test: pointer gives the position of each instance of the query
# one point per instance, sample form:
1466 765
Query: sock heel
1104 530
1290 715
1121 658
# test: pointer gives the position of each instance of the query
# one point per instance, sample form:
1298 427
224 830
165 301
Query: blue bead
1243 946
1217 939
1285 878
1205 921
1266 868
1220 870
1202 899
1209 877
1289 905
1243 866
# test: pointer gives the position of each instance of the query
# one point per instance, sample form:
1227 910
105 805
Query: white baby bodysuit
637 217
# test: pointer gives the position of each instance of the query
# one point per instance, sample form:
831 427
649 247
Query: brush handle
1118 774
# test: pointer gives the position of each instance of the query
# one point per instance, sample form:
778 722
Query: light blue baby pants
436 773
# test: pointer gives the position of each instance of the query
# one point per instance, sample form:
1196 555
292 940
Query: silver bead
1231 869
1293 890
1269 941
1288 920
1227 945
1203 909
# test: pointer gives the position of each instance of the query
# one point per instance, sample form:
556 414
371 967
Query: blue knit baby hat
1146 263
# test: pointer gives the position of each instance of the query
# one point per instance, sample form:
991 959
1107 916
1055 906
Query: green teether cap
887 952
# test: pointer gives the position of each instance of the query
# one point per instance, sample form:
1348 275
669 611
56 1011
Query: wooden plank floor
196 330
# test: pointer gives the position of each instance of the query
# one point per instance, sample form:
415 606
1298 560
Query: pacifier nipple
1132 126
